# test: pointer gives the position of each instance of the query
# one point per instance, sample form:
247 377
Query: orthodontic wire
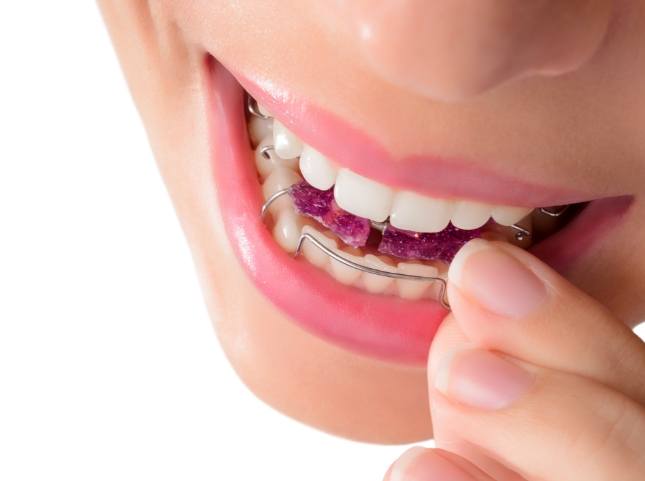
306 236
253 109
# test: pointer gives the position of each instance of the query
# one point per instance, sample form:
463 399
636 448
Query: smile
353 247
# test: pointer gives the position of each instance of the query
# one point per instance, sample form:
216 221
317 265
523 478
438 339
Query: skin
546 92
580 411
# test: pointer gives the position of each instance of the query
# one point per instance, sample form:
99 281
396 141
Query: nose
454 49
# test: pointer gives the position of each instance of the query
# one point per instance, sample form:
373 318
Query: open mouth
348 256
367 234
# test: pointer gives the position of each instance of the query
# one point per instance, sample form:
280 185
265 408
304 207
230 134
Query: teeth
419 213
345 274
373 283
266 165
504 215
259 129
470 215
263 110
286 144
280 178
366 198
312 253
376 284
409 289
362 197
286 230
316 169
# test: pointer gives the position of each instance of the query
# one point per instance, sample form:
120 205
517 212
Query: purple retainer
321 206
354 231
436 246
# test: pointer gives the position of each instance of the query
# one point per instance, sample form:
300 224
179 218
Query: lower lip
383 327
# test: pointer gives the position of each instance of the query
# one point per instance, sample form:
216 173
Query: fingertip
421 464
399 471
496 280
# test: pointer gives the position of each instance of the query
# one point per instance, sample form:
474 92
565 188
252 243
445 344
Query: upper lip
424 173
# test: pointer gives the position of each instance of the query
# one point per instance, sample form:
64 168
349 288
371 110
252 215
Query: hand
530 379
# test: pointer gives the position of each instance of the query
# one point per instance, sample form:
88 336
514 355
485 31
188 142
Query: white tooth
470 215
312 253
280 178
265 165
362 197
259 129
410 289
345 274
286 144
263 110
286 230
419 213
374 283
505 215
317 169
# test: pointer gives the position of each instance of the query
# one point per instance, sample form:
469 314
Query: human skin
516 91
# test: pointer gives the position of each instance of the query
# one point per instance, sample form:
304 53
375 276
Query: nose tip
454 49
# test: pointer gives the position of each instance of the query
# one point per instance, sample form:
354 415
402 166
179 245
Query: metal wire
253 108
557 213
443 299
306 236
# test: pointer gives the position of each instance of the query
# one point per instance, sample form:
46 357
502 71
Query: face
416 126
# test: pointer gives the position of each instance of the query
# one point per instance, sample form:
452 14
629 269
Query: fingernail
481 379
419 464
496 280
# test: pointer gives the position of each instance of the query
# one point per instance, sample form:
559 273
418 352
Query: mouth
354 247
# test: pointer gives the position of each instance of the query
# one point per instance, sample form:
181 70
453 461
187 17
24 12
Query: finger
420 464
544 424
450 338
506 299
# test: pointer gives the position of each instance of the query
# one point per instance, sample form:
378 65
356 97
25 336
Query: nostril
454 49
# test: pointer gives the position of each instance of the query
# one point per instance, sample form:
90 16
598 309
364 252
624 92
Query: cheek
615 269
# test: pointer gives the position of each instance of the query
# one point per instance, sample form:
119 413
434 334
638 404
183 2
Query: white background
109 367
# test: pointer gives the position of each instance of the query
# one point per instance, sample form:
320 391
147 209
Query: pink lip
383 327
427 174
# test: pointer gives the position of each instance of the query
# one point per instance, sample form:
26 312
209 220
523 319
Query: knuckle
618 441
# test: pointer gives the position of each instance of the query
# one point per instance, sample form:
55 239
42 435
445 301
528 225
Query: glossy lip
384 327
424 173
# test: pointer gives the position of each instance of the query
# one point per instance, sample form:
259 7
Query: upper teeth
286 144
375 201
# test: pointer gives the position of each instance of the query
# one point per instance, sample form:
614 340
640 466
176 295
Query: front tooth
505 215
317 169
286 230
411 289
470 215
374 283
259 128
286 144
361 196
419 213
280 178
